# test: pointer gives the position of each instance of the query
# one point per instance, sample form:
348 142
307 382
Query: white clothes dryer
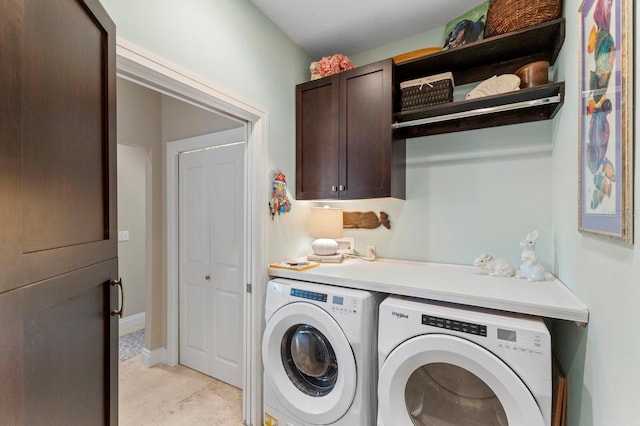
319 355
445 364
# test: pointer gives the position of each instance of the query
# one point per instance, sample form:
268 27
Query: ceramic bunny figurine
530 268
496 266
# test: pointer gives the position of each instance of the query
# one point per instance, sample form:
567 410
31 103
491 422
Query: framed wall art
467 28
606 119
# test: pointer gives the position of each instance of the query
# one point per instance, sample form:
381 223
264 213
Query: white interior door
212 258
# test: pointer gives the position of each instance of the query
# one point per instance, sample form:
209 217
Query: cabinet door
366 110
58 247
317 116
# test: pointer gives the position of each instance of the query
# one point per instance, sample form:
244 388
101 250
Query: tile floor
175 396
130 344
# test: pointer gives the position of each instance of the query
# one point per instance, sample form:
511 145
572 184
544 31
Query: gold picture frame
606 119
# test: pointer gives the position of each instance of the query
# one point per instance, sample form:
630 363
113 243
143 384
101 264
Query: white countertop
466 285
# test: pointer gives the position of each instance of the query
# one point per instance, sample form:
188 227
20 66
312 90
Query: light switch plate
123 235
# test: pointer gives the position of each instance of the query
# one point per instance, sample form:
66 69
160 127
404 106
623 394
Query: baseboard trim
131 322
154 357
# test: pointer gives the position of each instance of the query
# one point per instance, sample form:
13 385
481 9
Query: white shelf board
465 285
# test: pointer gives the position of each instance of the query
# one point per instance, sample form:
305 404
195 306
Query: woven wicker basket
427 91
505 16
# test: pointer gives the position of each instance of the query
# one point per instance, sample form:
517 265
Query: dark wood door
58 247
366 111
317 150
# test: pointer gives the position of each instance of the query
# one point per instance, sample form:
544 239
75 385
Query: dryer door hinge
248 288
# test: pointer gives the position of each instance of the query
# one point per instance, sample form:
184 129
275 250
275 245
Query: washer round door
438 379
310 362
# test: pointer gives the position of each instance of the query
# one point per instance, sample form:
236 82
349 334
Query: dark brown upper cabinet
344 142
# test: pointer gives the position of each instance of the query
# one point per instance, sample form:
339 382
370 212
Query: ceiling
322 28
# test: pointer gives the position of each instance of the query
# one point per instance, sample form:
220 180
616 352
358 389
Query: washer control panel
449 324
311 295
336 303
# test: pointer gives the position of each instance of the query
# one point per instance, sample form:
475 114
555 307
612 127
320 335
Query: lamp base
324 247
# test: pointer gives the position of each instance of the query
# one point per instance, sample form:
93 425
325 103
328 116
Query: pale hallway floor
174 396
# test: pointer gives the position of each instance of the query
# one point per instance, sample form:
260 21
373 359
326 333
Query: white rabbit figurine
496 266
530 268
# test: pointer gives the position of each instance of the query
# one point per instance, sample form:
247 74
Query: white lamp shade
325 224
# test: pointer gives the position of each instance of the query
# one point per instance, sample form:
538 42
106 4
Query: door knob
207 277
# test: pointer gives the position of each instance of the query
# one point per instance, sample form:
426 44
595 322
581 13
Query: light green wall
432 38
468 192
232 44
601 360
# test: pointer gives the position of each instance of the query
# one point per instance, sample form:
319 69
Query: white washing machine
444 364
319 355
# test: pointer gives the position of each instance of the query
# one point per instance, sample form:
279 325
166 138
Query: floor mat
131 344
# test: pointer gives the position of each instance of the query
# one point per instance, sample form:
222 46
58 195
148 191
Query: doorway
212 254
146 69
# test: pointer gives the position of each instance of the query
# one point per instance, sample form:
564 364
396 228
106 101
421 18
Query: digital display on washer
464 327
508 335
338 300
311 295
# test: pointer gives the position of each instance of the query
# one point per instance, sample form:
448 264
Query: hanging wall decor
366 220
606 119
279 202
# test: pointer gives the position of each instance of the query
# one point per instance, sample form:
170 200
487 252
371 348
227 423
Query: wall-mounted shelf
478 61
533 104
495 55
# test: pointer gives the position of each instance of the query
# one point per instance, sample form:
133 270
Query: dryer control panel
520 341
449 324
508 341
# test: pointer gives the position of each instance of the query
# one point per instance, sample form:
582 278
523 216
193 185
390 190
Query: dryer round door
310 362
438 379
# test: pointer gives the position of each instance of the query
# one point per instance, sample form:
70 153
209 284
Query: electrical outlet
371 251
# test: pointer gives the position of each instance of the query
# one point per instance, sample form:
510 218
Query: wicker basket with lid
505 16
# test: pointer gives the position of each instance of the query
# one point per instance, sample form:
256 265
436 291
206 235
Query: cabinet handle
118 312
342 187
334 188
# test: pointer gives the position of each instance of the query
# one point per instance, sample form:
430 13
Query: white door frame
147 69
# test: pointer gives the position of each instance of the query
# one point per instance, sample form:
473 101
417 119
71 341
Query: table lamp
325 224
